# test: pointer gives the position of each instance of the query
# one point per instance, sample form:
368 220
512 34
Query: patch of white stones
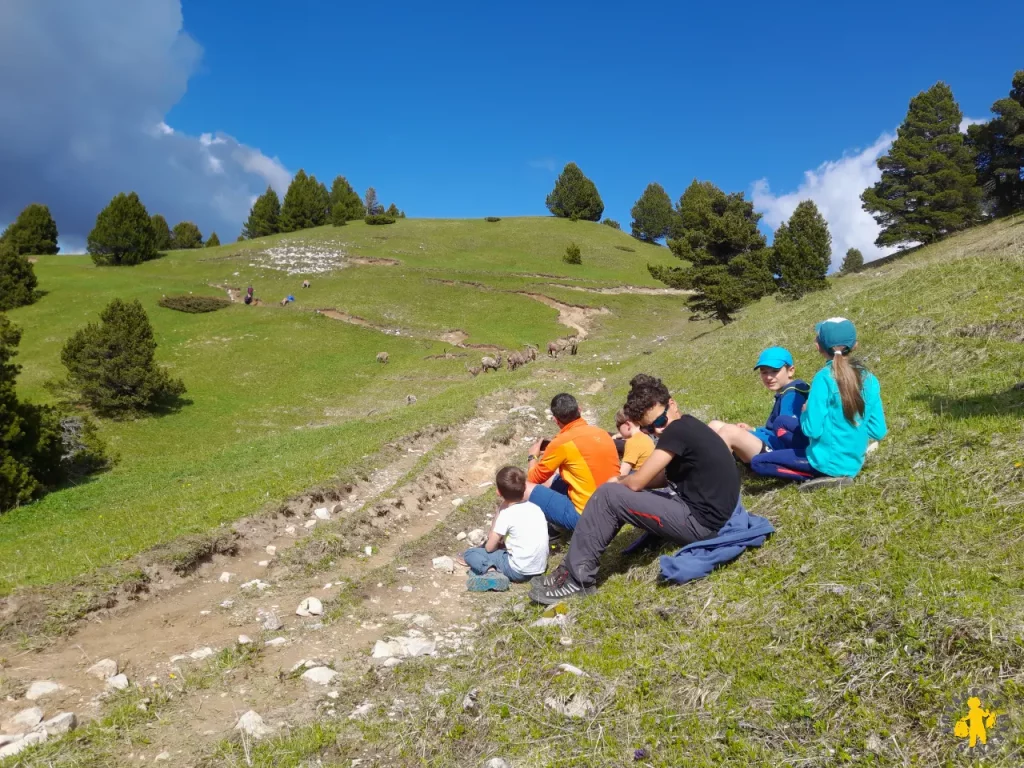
301 258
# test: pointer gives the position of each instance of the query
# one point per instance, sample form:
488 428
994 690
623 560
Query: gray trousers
611 507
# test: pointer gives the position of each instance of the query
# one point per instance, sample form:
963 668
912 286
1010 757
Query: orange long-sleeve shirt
583 455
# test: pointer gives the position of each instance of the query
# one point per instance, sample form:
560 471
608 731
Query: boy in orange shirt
638 447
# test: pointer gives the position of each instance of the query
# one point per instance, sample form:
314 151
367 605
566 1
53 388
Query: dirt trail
204 612
455 338
578 318
625 289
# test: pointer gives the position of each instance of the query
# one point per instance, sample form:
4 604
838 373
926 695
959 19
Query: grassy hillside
281 398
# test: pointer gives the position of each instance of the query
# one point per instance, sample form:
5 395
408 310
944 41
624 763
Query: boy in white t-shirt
517 546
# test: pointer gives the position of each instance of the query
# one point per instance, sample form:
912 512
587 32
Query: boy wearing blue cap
843 412
782 430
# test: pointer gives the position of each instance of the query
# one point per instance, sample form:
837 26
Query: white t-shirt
526 537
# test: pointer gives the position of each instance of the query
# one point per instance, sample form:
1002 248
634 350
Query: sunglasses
658 423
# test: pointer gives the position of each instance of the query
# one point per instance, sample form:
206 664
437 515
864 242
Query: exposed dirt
574 316
455 338
626 289
375 262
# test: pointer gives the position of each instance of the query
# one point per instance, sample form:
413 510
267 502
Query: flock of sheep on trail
515 359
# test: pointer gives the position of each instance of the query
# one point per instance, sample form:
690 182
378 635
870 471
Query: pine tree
729 263
802 252
161 232
212 241
186 235
929 185
346 205
652 214
112 364
305 204
393 211
575 196
264 216
17 279
999 145
123 234
854 261
373 207
34 232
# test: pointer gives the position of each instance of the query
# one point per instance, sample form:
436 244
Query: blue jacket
784 421
837 447
697 560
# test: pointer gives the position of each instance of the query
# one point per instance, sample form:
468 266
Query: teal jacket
837 447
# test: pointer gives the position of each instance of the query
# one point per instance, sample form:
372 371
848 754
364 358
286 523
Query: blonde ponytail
848 377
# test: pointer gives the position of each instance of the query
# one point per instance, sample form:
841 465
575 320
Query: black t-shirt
703 470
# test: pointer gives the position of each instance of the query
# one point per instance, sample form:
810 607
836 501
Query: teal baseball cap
774 357
836 332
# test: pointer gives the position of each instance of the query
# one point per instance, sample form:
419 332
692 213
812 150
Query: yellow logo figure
975 724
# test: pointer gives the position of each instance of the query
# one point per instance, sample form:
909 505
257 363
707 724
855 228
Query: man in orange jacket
584 457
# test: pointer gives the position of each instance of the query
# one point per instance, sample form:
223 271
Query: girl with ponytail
843 412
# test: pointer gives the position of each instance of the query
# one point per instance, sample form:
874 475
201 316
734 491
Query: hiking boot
562 587
824 482
491 581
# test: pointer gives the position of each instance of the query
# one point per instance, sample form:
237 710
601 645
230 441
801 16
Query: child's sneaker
825 482
489 582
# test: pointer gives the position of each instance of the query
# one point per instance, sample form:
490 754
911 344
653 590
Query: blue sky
470 109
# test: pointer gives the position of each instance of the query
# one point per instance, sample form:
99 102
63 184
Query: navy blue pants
788 463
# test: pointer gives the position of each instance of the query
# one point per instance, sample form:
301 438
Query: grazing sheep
515 360
410 399
305 283
553 349
488 363
382 357
530 354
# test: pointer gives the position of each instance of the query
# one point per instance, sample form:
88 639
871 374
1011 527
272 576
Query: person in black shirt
685 492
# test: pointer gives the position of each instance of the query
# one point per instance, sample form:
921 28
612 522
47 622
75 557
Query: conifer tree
123 234
17 279
717 235
372 205
652 214
575 196
999 145
161 232
305 204
346 205
929 186
33 233
393 211
212 241
802 252
186 235
853 261
264 216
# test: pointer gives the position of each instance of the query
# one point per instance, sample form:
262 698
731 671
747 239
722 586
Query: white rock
290 530
456 502
255 584
552 621
310 523
270 620
368 550
328 585
406 588
207 613
276 642
63 723
311 606
252 724
263 563
118 682
28 740
333 694
10 738
225 578
444 563
202 653
404 647
573 670
477 537
460 535
102 669
25 720
319 675
271 550
178 657
575 706
497 762
162 757
394 661
422 620
360 711
244 640
322 513
41 688
227 604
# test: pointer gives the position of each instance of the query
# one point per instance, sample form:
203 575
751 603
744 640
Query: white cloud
968 121
835 187
87 88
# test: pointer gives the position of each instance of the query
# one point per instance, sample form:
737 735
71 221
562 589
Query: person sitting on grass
693 465
782 430
637 447
584 456
843 412
517 546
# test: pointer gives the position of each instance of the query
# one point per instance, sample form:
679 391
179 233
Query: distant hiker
517 546
248 296
843 412
782 430
692 464
584 457
636 446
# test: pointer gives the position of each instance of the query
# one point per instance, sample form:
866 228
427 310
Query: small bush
194 304
611 223
572 254
379 218
626 248
493 219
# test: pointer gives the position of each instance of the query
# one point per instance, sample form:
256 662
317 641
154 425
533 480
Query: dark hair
511 482
645 392
565 408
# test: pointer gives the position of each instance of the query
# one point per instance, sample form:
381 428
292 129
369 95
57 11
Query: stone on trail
263 563
323 513
422 620
10 738
394 661
456 502
25 720
310 523
26 741
102 669
42 688
118 682
269 620
63 723
575 706
477 537
310 607
360 711
225 578
497 762
444 563
404 647
162 757
255 584
202 653
271 550
276 642
244 640
550 621
460 535
252 725
319 675
572 670
290 530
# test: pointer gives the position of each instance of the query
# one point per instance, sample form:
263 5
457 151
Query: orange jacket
583 455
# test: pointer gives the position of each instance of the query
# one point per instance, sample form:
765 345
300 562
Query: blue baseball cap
774 357
836 332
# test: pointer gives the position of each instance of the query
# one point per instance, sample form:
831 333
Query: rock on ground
403 647
319 675
576 707
25 720
41 688
311 606
476 537
224 578
270 620
118 682
63 723
360 711
444 563
497 762
103 669
162 757
29 739
201 653
252 724
244 640
323 513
